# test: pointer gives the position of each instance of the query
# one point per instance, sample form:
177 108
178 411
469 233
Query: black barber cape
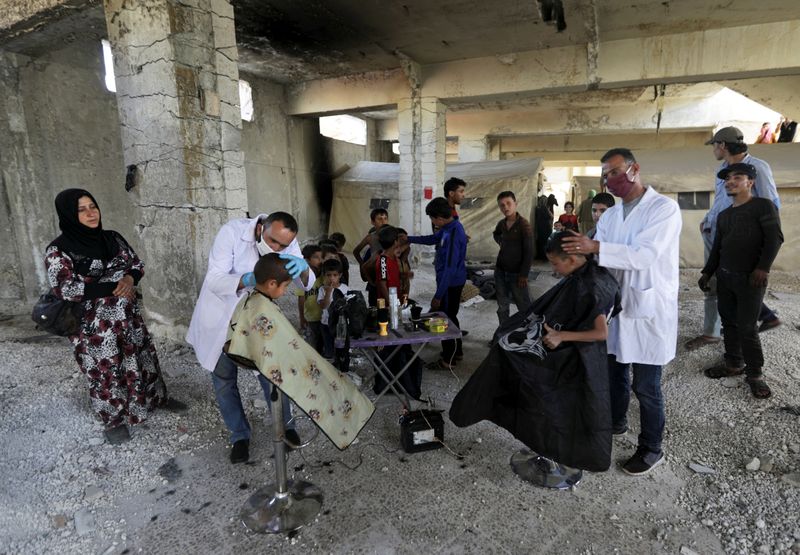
555 402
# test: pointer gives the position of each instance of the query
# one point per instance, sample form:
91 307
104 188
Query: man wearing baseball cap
729 147
747 240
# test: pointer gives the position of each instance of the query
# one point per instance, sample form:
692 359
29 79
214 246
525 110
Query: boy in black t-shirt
747 241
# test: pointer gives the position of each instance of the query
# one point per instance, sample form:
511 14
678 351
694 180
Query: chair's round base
544 472
270 512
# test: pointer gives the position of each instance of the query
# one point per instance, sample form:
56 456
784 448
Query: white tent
485 180
372 184
689 173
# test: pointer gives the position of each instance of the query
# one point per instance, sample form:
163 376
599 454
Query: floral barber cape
260 335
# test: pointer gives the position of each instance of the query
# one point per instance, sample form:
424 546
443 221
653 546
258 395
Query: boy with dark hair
600 203
379 218
339 240
261 337
454 191
562 334
307 305
451 270
514 234
332 275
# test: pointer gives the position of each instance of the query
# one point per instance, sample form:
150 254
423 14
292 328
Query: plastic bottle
394 309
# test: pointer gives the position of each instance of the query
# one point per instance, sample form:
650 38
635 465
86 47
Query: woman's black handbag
57 316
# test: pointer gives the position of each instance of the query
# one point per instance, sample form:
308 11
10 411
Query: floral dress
113 348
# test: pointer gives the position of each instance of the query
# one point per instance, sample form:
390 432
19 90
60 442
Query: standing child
387 265
379 218
600 203
569 220
332 276
310 312
451 270
340 240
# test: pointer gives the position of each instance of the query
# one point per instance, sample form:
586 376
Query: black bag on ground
57 316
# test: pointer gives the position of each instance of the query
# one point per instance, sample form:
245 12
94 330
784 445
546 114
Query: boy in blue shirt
451 270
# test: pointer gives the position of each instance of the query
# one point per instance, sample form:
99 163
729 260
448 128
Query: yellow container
437 325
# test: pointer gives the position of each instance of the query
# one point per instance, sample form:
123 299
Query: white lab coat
642 253
233 254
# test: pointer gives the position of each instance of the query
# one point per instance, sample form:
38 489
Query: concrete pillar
494 149
177 93
372 150
422 133
26 207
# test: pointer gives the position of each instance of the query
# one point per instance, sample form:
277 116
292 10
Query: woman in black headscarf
99 268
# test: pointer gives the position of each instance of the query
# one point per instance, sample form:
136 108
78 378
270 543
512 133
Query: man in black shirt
747 242
514 234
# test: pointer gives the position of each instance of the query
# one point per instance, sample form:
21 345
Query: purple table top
402 337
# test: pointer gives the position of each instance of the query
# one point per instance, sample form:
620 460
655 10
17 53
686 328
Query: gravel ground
170 489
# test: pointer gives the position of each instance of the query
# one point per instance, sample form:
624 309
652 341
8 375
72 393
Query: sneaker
767 325
701 341
241 451
621 431
642 462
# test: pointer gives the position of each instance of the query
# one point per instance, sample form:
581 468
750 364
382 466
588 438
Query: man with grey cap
747 240
729 147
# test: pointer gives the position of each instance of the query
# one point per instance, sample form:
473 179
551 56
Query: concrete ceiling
291 41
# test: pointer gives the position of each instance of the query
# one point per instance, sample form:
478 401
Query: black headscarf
77 238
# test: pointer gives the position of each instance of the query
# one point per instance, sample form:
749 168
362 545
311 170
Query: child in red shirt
569 220
387 265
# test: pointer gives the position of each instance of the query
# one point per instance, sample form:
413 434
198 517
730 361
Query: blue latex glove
249 279
296 265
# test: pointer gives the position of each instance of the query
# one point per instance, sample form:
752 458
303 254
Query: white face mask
262 246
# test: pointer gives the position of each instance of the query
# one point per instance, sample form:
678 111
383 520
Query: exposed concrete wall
283 166
57 130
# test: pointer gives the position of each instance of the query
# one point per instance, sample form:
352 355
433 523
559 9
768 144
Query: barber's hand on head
702 283
295 266
435 304
579 244
125 288
553 338
759 278
248 280
522 281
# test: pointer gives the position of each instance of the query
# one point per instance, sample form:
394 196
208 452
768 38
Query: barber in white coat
638 241
237 247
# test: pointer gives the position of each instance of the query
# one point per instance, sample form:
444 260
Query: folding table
371 343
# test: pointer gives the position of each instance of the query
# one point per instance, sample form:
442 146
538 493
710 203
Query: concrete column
472 149
422 133
26 207
177 93
494 149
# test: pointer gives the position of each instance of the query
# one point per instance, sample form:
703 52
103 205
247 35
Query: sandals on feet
758 387
722 371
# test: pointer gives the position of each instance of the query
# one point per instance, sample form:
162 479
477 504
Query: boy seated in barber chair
261 337
546 378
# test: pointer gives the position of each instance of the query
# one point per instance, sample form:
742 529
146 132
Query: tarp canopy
369 185
485 180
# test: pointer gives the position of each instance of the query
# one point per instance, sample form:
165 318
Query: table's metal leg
287 504
544 472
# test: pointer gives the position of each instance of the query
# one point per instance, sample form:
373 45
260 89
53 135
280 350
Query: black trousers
450 305
739 304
